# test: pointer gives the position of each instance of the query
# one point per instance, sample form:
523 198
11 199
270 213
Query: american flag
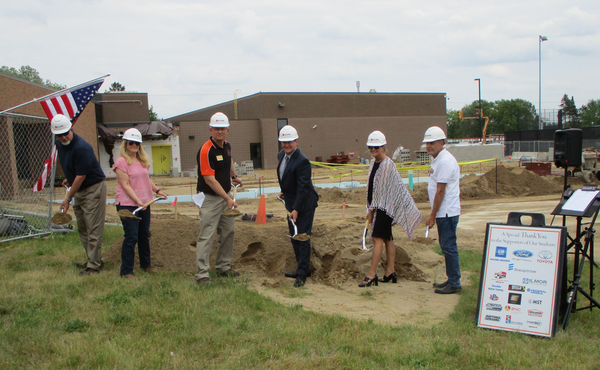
71 102
48 163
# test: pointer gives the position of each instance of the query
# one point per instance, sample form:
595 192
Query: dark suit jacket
296 184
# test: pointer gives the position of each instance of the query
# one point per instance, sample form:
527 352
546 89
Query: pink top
139 181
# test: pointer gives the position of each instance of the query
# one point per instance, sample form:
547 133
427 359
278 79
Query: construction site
263 252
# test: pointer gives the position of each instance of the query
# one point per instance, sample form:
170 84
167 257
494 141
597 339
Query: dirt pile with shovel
266 251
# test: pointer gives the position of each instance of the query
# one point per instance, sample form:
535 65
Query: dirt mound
336 195
508 182
265 250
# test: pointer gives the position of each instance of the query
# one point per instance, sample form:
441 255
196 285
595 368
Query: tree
570 112
590 114
31 74
115 86
153 115
512 115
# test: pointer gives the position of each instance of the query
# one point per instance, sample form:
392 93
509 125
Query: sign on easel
520 278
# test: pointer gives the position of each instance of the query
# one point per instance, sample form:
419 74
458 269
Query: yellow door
161 159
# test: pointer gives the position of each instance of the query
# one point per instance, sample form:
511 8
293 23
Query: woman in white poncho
389 204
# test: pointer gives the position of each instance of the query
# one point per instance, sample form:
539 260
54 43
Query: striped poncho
390 196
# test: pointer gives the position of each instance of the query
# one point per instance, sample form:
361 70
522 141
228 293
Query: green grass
51 318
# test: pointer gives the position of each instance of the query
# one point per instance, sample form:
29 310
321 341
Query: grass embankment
52 318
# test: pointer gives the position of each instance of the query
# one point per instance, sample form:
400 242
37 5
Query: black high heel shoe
368 282
393 277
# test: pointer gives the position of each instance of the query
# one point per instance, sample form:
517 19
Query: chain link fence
25 143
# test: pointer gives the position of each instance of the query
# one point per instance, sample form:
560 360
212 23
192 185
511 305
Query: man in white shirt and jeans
444 197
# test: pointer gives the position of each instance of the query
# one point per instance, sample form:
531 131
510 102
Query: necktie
283 166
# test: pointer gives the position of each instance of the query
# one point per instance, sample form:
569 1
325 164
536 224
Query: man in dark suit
293 172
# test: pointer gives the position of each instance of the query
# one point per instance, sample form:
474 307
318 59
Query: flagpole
56 92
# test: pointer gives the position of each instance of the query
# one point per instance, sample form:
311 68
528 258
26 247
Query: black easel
582 251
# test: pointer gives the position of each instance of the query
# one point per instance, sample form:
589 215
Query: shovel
233 212
300 237
61 218
364 246
426 239
125 213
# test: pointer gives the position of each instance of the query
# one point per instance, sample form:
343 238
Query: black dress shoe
448 290
440 285
294 275
300 280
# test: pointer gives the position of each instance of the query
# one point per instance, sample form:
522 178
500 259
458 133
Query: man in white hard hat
86 179
444 197
215 175
300 196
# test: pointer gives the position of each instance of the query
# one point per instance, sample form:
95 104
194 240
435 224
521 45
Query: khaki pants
211 220
90 209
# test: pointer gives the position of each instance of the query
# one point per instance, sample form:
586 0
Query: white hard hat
376 138
219 120
288 133
133 134
434 133
60 124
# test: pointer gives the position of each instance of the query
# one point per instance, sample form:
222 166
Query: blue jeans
136 232
447 234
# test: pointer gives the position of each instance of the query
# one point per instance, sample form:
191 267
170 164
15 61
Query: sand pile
266 251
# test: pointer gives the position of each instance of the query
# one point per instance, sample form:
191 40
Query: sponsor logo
493 307
511 266
521 253
497 288
513 309
501 252
535 301
500 275
516 288
526 271
492 318
535 281
514 298
493 297
508 319
535 323
535 313
545 255
536 291
549 262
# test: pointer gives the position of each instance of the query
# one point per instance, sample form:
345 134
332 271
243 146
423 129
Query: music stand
580 203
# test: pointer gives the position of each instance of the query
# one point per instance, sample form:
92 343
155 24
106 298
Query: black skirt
383 226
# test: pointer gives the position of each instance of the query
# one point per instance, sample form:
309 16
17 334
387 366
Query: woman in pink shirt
134 189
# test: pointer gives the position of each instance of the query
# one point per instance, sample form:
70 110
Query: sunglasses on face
62 135
133 143
374 147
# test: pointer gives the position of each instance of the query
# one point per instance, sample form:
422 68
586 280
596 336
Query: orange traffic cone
261 215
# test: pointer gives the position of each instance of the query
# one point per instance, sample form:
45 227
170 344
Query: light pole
480 113
542 39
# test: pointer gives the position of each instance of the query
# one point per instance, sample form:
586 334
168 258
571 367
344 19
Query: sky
189 55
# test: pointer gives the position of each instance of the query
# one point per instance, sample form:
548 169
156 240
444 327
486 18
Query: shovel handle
148 203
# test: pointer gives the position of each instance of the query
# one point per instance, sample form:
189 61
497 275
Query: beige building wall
241 134
343 122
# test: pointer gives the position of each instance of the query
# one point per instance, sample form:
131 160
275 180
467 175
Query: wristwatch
234 177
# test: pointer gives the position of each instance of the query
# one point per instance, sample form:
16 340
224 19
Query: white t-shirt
444 169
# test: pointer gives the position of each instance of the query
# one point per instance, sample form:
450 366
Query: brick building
25 136
327 123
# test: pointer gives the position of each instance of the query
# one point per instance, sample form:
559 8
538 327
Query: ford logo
523 253
545 255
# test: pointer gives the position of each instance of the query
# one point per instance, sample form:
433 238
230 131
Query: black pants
304 224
